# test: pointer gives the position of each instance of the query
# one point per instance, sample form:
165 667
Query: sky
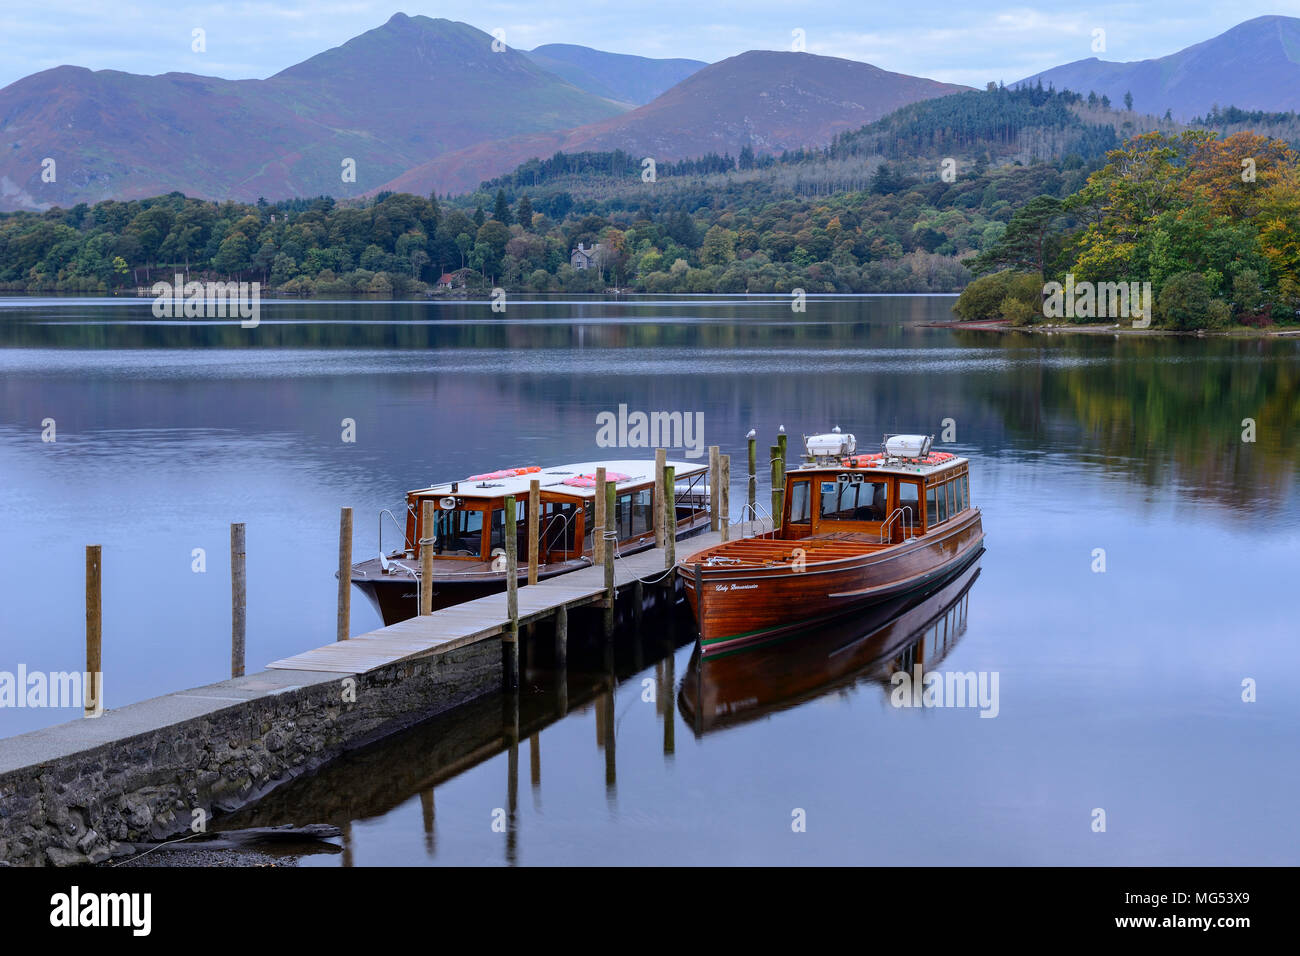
958 42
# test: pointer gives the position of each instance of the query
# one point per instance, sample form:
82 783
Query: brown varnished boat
856 531
918 629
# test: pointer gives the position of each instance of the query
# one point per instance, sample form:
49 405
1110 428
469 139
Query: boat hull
738 607
760 679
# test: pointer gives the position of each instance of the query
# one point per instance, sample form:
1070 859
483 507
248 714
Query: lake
1119 690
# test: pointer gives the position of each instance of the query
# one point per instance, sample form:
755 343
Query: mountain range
433 105
1255 66
770 101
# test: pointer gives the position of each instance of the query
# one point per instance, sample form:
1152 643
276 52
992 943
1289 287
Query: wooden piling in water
608 549
344 628
92 698
561 636
534 523
661 459
724 496
782 446
511 636
774 452
426 558
238 600
753 475
598 549
713 487
670 519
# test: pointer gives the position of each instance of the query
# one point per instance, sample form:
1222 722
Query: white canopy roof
552 479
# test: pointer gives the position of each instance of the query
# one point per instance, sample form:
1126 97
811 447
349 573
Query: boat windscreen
458 533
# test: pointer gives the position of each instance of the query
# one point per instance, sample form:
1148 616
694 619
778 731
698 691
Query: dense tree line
900 234
1212 224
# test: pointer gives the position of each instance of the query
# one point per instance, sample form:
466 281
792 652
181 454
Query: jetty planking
488 616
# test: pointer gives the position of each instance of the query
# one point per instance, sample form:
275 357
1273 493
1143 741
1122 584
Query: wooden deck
487 616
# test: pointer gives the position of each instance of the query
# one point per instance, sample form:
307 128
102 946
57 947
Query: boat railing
756 514
392 517
543 533
909 529
696 498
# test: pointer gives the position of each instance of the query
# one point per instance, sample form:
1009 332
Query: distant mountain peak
1253 65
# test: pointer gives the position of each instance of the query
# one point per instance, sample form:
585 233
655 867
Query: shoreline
1005 327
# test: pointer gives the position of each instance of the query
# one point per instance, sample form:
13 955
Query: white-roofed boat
468 535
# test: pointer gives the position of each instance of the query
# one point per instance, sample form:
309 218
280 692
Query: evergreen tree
525 212
501 212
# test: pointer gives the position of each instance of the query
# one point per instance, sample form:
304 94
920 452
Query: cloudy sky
959 42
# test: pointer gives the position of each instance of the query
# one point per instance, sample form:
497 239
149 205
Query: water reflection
869 647
920 629
372 782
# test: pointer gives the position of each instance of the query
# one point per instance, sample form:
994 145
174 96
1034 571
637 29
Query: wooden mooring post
713 487
661 459
92 695
607 547
773 451
426 558
561 636
345 575
753 472
724 496
598 549
511 636
534 523
670 520
238 600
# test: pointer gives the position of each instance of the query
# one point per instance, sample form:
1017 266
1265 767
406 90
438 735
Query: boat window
497 539
800 502
632 513
909 499
931 507
588 526
959 491
853 500
965 485
459 533
643 512
943 501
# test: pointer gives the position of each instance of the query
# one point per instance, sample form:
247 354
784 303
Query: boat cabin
469 520
885 499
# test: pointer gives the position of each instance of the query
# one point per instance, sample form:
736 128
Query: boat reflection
762 679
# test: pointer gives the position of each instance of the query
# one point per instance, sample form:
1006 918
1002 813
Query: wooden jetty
489 617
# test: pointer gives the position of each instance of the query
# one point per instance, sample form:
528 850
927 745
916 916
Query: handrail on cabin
393 518
908 528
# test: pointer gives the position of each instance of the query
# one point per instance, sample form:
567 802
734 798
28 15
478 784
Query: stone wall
97 803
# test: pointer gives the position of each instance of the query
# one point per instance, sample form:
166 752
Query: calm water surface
1119 690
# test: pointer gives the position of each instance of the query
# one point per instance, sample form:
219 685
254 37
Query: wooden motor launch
855 530
468 535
